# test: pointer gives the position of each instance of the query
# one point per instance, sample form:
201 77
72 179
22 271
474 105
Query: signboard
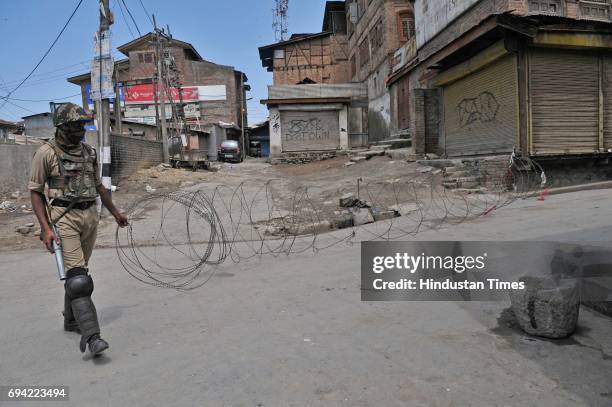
90 100
105 52
145 111
144 94
102 67
211 93
192 111
432 16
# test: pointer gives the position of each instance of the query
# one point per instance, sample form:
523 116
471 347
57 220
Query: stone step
457 174
381 147
394 144
405 154
371 153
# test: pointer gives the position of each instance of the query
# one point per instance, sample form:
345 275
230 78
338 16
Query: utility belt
65 204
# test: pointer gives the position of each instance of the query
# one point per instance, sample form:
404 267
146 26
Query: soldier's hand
48 237
121 220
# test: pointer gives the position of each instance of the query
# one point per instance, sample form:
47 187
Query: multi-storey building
493 76
211 93
376 29
314 107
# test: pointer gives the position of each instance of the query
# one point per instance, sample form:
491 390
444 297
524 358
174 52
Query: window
145 57
364 52
353 65
545 6
595 9
406 26
376 36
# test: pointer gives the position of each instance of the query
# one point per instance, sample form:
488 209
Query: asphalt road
292 331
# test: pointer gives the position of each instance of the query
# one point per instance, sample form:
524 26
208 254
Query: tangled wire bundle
196 231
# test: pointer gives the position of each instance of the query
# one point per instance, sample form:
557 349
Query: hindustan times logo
422 262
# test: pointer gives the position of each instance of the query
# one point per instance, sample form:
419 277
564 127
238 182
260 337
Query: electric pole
161 84
102 103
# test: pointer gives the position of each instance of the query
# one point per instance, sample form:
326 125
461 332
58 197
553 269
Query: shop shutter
480 110
310 130
607 89
564 102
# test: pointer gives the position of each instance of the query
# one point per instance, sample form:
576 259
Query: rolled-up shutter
564 102
310 130
607 89
480 110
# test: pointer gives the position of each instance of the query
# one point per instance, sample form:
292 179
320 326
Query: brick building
493 76
314 108
376 29
212 93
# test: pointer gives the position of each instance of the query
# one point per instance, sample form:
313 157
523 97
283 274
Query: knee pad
79 284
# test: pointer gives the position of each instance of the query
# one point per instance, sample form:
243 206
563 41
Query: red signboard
143 94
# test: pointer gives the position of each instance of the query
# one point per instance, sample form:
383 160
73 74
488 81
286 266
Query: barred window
406 26
376 36
546 7
595 9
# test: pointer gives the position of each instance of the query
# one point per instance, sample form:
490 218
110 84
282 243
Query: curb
574 188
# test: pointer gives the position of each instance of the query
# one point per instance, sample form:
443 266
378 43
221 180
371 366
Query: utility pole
161 84
118 118
242 92
103 103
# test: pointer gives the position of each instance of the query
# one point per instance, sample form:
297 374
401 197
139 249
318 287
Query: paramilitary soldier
69 168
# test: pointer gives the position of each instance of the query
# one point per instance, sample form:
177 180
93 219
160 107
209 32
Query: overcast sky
227 32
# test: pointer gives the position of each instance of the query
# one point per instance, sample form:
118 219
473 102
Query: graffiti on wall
483 108
306 130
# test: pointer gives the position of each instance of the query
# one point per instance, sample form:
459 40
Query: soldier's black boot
70 324
79 287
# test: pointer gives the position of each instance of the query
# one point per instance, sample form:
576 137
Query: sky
226 32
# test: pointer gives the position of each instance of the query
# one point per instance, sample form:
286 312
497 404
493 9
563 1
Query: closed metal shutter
607 89
480 110
564 102
303 131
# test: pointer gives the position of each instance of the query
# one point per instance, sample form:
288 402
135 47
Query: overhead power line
47 52
125 20
132 17
147 13
41 100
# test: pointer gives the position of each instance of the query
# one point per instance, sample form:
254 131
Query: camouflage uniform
69 169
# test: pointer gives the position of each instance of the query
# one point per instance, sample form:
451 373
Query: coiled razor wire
199 230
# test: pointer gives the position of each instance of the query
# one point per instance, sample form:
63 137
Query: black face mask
70 135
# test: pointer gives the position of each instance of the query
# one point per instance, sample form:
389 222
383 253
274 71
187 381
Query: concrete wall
130 154
39 126
15 163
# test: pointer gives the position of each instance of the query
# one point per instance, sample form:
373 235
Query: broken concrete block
342 220
348 200
311 228
547 307
348 164
381 214
404 209
362 216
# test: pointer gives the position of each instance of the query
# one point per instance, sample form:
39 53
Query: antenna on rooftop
281 17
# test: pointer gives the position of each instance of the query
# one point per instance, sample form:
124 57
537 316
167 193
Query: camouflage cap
68 113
